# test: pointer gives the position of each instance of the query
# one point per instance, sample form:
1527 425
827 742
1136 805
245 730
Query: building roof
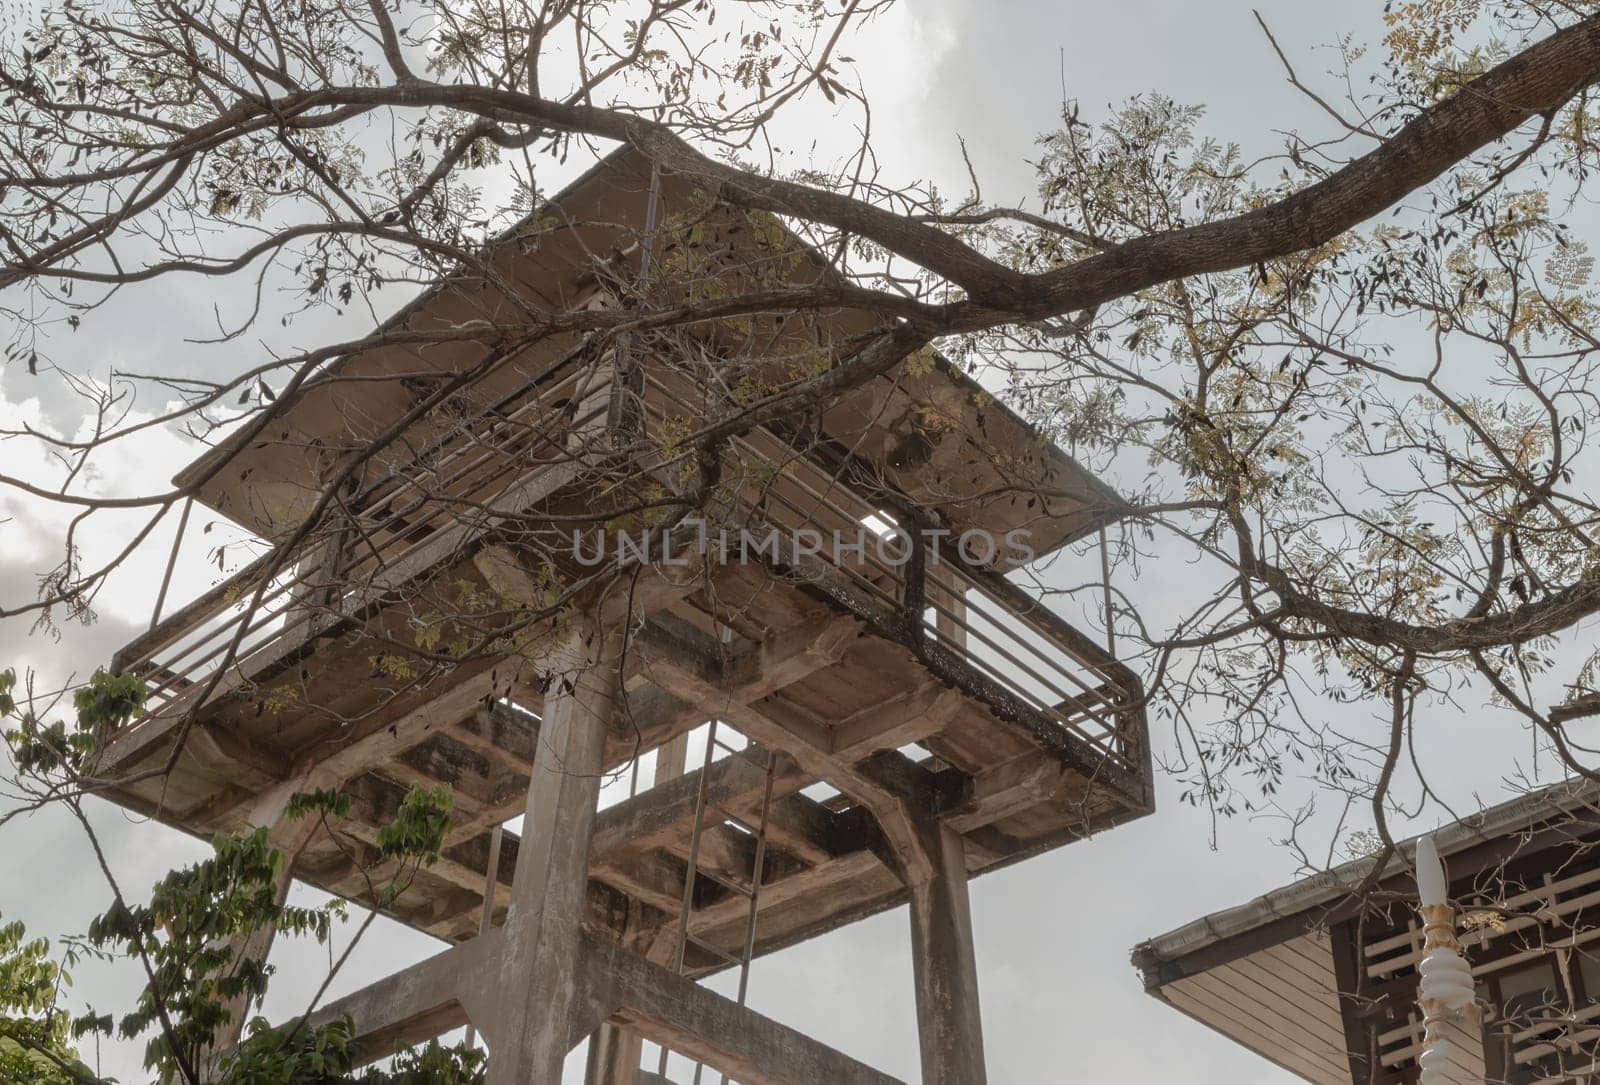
1275 974
989 468
1317 892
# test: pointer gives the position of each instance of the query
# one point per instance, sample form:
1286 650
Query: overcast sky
1060 1000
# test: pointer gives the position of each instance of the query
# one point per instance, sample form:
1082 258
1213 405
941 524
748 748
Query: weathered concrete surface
614 1052
416 1004
541 944
614 1055
697 1022
610 983
944 965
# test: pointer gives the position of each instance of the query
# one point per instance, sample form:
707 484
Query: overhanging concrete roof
991 469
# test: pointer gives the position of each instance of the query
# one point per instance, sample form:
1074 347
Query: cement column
945 968
945 588
615 1053
614 1056
543 929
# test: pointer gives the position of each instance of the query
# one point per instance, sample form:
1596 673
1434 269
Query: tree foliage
35 1037
190 939
1350 383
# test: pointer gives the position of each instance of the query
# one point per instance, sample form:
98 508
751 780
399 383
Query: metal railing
915 590
486 463
383 535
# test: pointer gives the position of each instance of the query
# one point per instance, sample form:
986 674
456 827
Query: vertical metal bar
694 849
491 877
914 583
651 210
172 562
756 876
625 413
701 794
1105 584
755 882
689 876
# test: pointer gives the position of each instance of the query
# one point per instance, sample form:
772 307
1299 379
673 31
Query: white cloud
1061 1002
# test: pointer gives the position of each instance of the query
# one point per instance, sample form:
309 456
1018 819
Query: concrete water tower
505 559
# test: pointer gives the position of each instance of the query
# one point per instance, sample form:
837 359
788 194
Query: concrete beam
897 813
660 817
749 674
743 1045
462 985
419 1003
378 741
899 721
678 666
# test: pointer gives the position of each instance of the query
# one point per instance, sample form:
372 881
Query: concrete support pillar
672 758
614 1055
945 967
947 591
614 1052
543 928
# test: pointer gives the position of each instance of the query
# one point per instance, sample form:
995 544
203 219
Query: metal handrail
1026 642
1006 636
489 455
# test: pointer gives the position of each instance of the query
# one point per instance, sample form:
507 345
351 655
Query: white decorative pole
1447 988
